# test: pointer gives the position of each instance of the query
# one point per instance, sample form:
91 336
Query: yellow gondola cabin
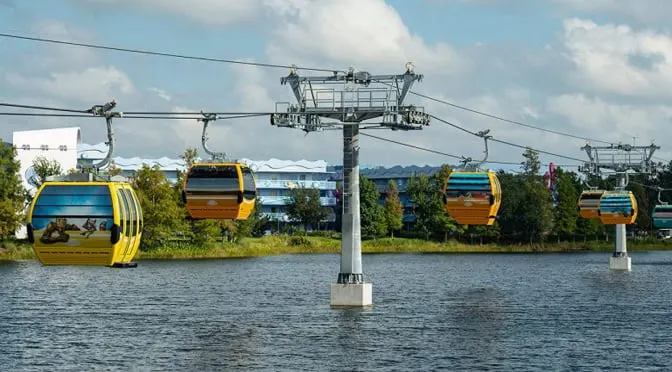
589 203
473 198
219 191
85 223
618 207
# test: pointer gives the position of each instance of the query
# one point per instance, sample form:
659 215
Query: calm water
450 312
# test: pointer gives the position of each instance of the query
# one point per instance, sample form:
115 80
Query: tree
255 224
430 211
161 211
44 168
643 221
537 210
394 210
373 221
442 222
189 156
12 192
566 213
531 165
419 191
304 206
510 219
113 170
203 233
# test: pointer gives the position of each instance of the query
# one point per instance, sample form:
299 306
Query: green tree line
526 214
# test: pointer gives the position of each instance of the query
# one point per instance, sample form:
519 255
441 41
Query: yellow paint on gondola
618 207
219 191
589 204
473 198
85 223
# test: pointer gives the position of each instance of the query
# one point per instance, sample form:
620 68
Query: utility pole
348 100
621 159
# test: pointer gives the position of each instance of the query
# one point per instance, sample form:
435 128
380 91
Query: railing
283 217
329 98
275 216
328 201
284 200
286 184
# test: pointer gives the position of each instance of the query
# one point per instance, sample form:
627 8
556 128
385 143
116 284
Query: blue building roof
399 172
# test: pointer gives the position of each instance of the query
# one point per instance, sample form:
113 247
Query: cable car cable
127 113
507 120
505 142
450 155
130 50
222 117
162 54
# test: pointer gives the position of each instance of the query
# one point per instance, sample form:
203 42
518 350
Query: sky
600 69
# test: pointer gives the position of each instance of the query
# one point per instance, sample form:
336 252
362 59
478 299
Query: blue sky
600 69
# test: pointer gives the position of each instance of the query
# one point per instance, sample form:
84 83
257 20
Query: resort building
274 178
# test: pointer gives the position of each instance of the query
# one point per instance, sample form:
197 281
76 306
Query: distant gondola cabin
618 207
225 191
662 216
85 223
473 198
589 203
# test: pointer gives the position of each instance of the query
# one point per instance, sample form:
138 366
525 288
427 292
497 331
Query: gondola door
125 219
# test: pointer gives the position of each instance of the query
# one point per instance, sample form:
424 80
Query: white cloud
603 120
161 93
208 12
617 59
92 85
521 84
644 11
345 32
250 88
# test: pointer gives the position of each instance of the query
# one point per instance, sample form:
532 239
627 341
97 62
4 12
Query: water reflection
431 312
475 319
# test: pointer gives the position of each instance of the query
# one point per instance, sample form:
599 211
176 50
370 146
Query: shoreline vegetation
298 244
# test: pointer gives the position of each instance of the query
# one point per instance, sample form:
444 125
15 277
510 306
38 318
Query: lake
431 312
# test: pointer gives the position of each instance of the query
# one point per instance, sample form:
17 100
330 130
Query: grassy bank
276 245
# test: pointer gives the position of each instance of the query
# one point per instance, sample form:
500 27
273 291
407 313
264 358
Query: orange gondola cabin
589 204
219 191
473 198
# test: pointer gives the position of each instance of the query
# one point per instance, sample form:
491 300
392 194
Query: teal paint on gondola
662 216
616 203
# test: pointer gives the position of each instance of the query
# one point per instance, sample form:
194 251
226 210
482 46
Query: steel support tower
348 100
621 159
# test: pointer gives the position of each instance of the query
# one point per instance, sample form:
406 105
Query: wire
43 115
139 51
449 155
507 120
127 113
162 54
506 142
223 117
412 146
649 186
41 108
230 115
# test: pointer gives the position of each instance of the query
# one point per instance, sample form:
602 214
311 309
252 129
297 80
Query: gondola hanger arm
206 119
105 111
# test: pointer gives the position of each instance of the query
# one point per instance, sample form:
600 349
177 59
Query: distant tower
621 159
354 97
